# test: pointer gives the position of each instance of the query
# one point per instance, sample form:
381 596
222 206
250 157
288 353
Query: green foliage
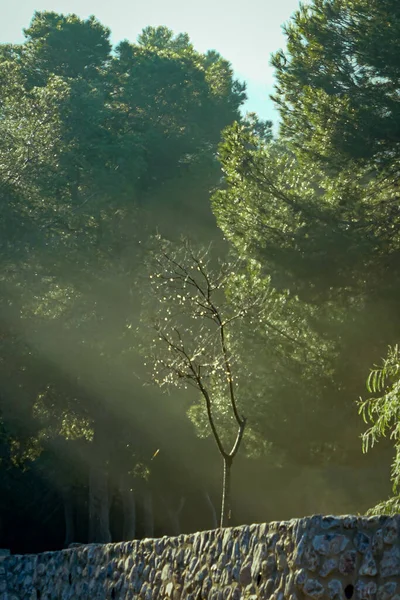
305 224
338 79
98 149
163 38
274 348
259 130
66 46
181 100
382 413
319 215
89 143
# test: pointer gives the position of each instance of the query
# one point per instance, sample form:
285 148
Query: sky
244 32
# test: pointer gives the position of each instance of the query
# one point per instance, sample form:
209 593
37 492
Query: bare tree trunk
174 517
99 520
128 507
212 509
69 515
148 514
99 508
226 493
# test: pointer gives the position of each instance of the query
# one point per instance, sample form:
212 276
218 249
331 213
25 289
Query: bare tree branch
200 354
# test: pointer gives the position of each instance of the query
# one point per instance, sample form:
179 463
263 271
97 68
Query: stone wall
337 558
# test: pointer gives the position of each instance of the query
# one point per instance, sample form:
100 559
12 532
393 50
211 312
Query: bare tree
195 342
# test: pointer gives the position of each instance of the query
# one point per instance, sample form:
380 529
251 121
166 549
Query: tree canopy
103 149
318 206
337 81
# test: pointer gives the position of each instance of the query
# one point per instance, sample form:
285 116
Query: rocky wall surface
337 558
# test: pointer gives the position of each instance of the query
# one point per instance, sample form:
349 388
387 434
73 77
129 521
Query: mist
103 152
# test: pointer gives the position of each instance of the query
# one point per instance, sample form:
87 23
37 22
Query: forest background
107 152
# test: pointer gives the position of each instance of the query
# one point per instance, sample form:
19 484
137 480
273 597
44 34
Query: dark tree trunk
69 515
99 521
212 510
99 509
226 493
129 508
148 514
174 517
